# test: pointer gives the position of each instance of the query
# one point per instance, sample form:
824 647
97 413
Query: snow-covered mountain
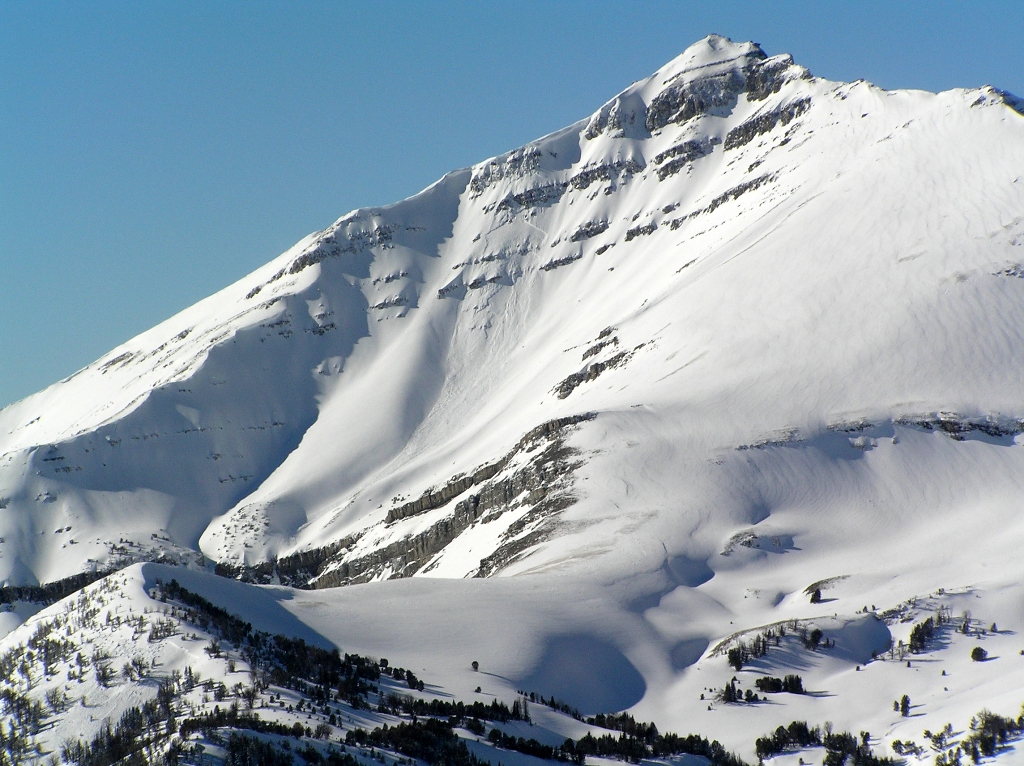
741 338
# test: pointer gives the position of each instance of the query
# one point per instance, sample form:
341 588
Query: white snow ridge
707 408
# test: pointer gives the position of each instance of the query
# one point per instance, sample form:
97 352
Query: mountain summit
505 369
728 253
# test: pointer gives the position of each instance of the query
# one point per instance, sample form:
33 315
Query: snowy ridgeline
726 374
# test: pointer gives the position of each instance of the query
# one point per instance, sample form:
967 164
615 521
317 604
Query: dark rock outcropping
718 93
588 230
727 196
958 427
589 373
536 196
765 123
641 231
623 169
517 163
356 241
432 499
541 483
671 161
683 101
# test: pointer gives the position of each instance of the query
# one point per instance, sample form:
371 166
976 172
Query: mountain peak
711 52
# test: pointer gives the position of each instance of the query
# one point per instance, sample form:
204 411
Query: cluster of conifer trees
841 749
792 684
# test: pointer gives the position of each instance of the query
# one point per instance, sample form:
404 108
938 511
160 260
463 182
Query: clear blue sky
153 152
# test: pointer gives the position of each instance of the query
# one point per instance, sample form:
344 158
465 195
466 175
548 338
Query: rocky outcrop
329 246
767 77
739 190
599 346
958 427
718 94
764 123
990 95
437 499
536 196
539 525
432 499
512 165
734 193
588 230
622 169
387 303
619 118
641 231
540 483
589 373
295 570
558 262
682 101
403 558
671 161
449 288
1014 270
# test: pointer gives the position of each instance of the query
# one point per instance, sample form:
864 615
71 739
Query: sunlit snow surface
821 308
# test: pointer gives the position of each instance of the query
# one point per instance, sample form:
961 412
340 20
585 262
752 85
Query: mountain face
730 253
741 338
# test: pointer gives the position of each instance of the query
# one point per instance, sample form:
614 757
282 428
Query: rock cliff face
723 261
534 477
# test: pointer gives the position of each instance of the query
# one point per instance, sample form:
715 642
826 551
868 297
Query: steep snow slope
773 255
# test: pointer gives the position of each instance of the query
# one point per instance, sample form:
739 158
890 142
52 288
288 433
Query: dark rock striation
727 196
536 196
765 123
958 427
683 101
541 483
563 261
718 93
767 77
641 231
515 164
588 230
328 246
589 373
671 161
623 169
432 499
